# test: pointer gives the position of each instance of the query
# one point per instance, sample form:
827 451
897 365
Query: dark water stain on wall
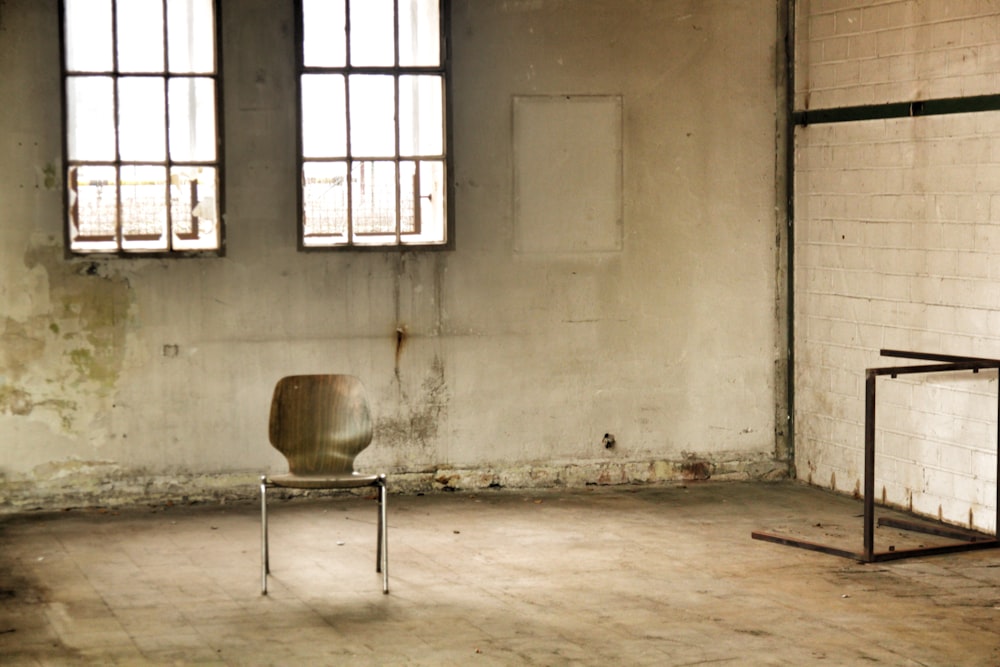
418 419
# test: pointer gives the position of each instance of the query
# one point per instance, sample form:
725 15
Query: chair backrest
320 422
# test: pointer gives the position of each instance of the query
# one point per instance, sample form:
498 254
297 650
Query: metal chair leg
382 563
381 549
265 567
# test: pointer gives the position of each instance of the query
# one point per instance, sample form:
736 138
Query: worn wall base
100 486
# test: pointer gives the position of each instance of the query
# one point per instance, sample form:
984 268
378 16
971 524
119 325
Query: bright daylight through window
141 143
373 150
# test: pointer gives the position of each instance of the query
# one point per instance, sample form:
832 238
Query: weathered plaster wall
129 380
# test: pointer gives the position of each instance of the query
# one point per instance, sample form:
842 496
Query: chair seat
341 481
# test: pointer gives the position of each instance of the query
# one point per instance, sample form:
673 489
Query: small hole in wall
608 441
171 351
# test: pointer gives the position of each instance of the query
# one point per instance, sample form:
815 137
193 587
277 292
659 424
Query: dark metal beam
938 107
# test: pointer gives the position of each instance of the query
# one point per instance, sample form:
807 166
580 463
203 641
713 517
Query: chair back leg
265 567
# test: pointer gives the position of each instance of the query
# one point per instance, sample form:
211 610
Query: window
372 132
141 142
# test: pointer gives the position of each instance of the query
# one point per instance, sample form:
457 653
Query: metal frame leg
868 539
382 547
265 566
970 540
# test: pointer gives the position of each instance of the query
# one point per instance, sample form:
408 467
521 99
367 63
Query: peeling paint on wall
733 466
15 401
90 483
68 352
97 483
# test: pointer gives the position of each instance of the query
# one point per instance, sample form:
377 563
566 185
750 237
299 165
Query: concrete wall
139 379
897 247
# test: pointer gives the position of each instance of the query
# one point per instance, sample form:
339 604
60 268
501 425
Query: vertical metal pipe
790 230
869 528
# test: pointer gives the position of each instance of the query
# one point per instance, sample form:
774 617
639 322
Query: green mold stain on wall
71 356
50 177
15 400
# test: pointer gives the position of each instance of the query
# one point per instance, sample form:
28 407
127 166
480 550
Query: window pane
423 183
324 33
373 126
144 211
191 36
373 198
419 33
88 36
409 217
421 115
93 204
433 209
324 203
372 33
90 121
192 119
324 116
194 208
140 36
142 129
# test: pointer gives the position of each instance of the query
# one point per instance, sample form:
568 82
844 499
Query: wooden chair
320 423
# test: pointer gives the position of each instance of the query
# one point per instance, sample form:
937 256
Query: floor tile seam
92 590
316 613
140 632
149 649
139 639
829 623
933 582
91 626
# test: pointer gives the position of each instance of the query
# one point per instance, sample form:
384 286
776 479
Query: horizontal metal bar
939 530
934 368
880 556
935 551
434 70
930 356
803 544
938 107
849 114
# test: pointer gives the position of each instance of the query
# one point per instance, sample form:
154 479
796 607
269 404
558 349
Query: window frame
443 70
218 164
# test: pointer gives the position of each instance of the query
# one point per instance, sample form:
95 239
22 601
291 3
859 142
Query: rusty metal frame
965 540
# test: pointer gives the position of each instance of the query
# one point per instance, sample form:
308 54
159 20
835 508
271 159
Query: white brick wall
898 246
875 51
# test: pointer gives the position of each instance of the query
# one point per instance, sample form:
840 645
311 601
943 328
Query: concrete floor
607 576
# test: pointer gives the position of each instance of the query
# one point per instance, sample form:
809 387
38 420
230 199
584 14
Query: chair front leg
265 567
382 548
